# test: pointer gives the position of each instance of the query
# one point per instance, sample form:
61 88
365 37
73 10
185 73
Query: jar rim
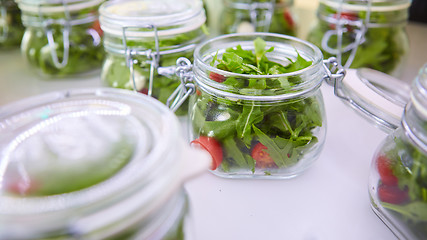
315 70
138 175
118 17
56 6
394 5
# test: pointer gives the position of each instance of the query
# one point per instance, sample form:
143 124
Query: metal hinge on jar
184 70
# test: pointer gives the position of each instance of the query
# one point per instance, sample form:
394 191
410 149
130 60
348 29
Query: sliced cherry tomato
144 91
345 15
216 77
262 158
384 169
21 187
392 194
97 27
288 18
214 148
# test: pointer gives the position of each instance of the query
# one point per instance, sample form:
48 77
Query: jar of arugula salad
276 16
11 28
62 38
363 33
255 103
398 179
143 40
94 164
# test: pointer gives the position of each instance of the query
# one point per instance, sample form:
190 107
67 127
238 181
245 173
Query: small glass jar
257 126
62 38
143 40
11 28
94 164
363 33
240 16
398 179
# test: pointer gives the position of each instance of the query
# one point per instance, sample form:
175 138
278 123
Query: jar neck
368 14
278 87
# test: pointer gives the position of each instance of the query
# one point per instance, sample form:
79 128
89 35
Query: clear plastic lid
137 17
69 159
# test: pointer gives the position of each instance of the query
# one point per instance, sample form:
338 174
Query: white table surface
329 201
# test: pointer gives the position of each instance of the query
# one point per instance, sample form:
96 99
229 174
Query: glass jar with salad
94 164
240 16
255 103
62 38
360 34
143 40
11 28
398 179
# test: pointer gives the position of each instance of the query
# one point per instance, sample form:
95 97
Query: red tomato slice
385 171
392 194
144 91
214 148
288 18
216 77
345 15
262 158
97 27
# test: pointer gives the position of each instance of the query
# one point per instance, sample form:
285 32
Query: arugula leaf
249 116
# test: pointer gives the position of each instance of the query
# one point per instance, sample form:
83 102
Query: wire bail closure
335 74
153 58
184 70
65 35
358 27
3 24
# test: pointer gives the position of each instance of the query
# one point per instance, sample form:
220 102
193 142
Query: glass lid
363 5
168 16
377 96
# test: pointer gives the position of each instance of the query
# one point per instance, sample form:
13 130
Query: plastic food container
11 29
62 38
257 125
240 16
94 164
143 39
360 34
398 179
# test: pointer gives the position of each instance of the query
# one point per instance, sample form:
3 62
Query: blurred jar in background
398 179
363 33
240 16
11 29
62 38
144 39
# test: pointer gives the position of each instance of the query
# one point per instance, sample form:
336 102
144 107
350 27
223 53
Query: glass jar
240 16
11 29
363 33
143 39
398 179
257 125
62 38
94 164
